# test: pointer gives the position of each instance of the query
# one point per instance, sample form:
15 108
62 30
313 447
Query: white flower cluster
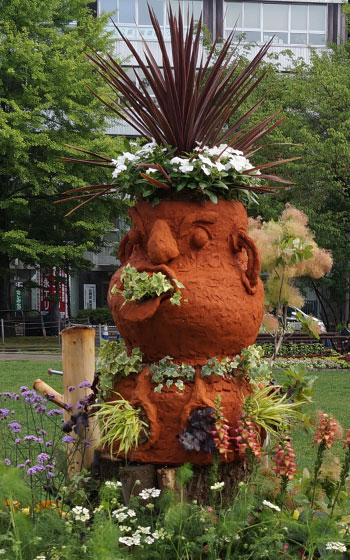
80 513
148 493
119 163
270 505
221 158
123 513
114 485
217 486
337 546
142 535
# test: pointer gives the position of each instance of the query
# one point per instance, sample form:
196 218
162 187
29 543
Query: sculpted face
204 246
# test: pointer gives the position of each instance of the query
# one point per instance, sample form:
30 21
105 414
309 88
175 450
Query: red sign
48 290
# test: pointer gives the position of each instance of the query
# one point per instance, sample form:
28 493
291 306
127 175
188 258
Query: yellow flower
26 511
296 514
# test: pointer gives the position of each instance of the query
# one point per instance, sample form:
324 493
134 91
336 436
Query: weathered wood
78 360
46 390
135 478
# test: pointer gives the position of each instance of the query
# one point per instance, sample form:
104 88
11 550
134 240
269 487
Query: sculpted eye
199 238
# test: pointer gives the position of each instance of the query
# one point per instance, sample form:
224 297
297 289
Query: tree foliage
45 104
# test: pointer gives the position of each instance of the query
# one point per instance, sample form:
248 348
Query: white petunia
150 170
206 170
176 161
186 168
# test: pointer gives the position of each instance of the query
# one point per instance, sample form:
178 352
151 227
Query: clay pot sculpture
206 247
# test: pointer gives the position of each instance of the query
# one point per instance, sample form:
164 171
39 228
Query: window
133 18
289 24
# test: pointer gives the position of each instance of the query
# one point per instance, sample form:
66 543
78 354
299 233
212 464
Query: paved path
30 356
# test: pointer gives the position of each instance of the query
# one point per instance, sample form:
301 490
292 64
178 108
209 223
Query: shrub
100 315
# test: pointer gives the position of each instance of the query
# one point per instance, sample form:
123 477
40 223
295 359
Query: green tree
315 99
44 104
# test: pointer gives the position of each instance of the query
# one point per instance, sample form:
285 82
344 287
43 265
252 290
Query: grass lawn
332 395
31 342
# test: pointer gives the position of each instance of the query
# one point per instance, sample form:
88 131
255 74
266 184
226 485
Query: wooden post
78 360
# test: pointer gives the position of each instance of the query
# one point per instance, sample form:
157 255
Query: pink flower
326 431
284 459
247 438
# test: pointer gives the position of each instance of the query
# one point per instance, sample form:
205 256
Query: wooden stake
78 360
47 391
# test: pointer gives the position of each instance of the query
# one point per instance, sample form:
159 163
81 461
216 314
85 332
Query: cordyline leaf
155 182
191 101
158 167
271 164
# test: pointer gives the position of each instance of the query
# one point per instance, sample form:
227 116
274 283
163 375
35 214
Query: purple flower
49 443
21 466
15 427
86 443
35 469
50 475
17 440
84 384
68 439
7 462
54 411
41 431
42 457
68 407
28 461
4 412
33 438
71 388
23 388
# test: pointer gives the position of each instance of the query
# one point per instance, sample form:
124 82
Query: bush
101 315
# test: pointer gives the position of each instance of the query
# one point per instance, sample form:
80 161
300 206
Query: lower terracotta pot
168 413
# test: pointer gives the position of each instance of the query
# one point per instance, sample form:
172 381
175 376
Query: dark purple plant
197 435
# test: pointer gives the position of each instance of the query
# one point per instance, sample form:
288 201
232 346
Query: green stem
343 475
318 464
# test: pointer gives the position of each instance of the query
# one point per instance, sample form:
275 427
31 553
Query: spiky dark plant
191 103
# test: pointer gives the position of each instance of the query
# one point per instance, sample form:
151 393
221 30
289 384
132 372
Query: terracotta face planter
206 247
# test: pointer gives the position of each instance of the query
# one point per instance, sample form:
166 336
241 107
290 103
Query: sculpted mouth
136 311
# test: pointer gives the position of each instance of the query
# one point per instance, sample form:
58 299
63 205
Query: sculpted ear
240 241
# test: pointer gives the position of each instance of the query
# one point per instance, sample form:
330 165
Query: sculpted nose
161 246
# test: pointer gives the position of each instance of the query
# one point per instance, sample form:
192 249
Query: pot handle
240 240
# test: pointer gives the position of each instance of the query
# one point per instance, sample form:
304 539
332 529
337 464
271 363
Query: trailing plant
183 113
122 424
166 373
113 364
249 362
140 286
222 368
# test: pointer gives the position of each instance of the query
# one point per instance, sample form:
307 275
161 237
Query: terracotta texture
169 410
206 247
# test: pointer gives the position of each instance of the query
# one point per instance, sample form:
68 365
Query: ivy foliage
113 364
166 373
140 286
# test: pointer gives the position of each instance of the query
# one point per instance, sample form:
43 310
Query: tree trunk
5 285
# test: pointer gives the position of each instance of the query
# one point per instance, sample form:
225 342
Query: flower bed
314 362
